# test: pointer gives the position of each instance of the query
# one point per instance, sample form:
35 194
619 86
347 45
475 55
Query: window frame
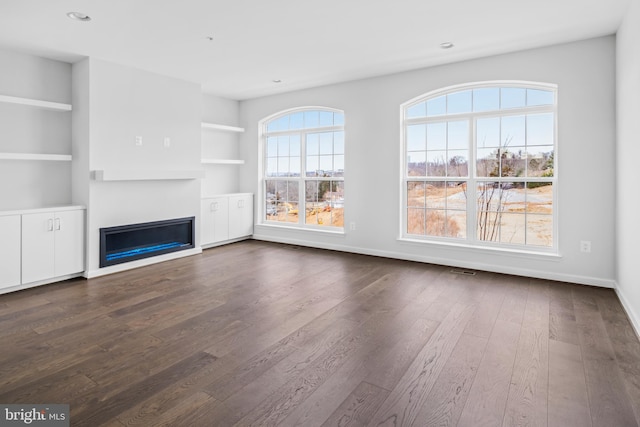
302 179
472 179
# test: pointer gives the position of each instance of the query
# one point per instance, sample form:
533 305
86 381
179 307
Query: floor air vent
463 272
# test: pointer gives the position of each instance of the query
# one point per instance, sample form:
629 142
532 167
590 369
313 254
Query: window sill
487 249
333 230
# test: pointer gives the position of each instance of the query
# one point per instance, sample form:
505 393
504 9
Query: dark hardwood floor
261 334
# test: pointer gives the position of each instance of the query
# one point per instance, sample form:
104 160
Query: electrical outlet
138 141
585 246
167 142
352 226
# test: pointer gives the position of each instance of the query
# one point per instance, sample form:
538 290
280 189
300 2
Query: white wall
220 178
585 75
27 183
116 104
628 153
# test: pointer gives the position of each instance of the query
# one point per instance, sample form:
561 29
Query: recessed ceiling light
77 16
446 45
277 81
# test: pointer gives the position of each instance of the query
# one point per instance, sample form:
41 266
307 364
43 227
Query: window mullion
482 114
472 186
302 186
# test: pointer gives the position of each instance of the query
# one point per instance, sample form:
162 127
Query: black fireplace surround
138 241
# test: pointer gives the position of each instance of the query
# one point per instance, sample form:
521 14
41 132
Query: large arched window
479 166
303 168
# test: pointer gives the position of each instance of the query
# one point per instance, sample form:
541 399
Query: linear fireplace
137 241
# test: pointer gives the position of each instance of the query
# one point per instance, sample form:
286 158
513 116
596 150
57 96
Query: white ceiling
303 43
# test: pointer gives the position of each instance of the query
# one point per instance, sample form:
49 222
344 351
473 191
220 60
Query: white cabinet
9 251
52 244
226 218
240 215
215 220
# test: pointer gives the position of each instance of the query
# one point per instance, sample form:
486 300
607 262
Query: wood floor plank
169 403
274 326
266 334
568 399
488 395
515 300
113 406
359 407
316 408
450 391
195 411
483 319
371 357
112 423
608 400
186 411
407 398
527 399
80 315
310 344
56 387
396 359
280 404
139 367
562 319
27 320
625 347
246 373
19 302
17 374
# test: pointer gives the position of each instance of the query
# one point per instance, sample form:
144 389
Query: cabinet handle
57 223
50 225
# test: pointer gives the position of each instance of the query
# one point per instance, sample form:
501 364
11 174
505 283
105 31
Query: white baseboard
141 263
224 242
571 278
634 318
39 283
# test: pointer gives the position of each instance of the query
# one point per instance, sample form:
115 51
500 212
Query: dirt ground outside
314 214
517 216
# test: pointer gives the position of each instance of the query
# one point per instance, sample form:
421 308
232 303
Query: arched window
479 165
303 169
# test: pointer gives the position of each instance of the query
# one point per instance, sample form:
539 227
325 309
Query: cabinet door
69 242
37 247
240 216
220 210
214 221
206 222
9 251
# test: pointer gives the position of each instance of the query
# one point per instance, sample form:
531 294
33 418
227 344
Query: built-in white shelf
29 156
226 128
146 175
222 162
47 105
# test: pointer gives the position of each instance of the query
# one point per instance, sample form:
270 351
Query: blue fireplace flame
143 250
